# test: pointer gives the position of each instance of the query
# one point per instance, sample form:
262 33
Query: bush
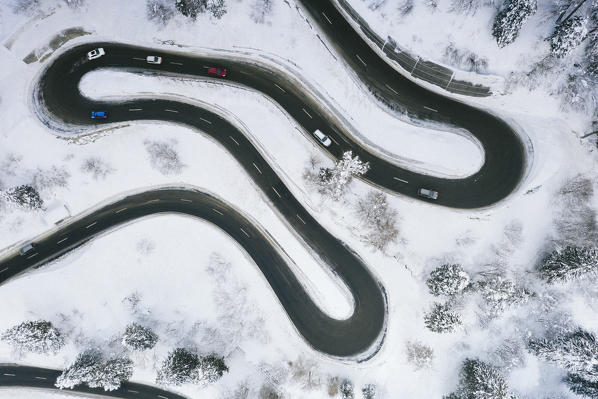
159 11
182 366
346 389
25 196
380 220
441 319
97 167
419 355
90 368
34 336
448 279
164 157
139 338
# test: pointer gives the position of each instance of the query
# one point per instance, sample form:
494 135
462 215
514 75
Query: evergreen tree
34 336
581 386
571 263
179 367
441 319
448 279
211 368
368 391
500 294
510 19
26 196
139 338
568 35
346 389
479 380
576 352
216 7
191 8
91 369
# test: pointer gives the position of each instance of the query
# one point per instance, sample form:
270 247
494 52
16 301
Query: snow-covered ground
192 283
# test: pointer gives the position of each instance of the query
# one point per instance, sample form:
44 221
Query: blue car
99 115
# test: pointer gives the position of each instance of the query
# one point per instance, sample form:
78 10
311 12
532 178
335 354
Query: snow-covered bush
159 11
259 10
25 196
568 35
510 19
499 294
50 178
576 352
448 279
420 356
346 390
138 337
480 380
98 168
217 8
183 366
368 391
575 217
91 369
379 220
25 6
405 7
192 8
38 336
464 59
570 263
442 319
468 6
581 386
164 157
334 181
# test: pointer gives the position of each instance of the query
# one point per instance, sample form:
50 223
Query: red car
220 72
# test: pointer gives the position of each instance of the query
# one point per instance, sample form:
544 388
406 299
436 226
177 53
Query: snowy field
195 287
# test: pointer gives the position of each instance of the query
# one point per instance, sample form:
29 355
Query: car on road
322 138
154 59
424 192
28 248
219 72
95 53
99 114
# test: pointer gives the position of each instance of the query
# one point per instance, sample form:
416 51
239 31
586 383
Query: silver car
27 249
424 192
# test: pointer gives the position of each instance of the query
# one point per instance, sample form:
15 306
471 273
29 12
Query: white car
322 138
154 59
424 192
97 53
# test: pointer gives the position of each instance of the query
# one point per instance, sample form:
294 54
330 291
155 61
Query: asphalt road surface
42 378
499 175
361 332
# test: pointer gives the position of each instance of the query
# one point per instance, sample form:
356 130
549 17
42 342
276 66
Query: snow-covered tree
576 352
138 337
570 263
568 35
211 368
334 181
346 390
191 8
216 7
480 380
582 386
448 279
441 318
179 367
159 11
34 336
25 196
368 391
510 19
419 355
259 10
379 219
91 369
499 294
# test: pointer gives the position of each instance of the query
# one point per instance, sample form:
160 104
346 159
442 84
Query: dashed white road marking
154 200
63 240
245 73
302 221
137 58
244 232
40 378
233 139
175 63
135 109
281 89
277 193
162 397
401 180
307 113
186 200
8 374
121 210
218 212
362 61
205 120
327 19
130 390
93 224
3 270
391 89
172 110
431 109
32 256
258 169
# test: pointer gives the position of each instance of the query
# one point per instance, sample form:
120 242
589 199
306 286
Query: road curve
358 336
58 93
42 378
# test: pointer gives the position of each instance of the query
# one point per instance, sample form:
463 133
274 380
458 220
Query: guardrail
419 68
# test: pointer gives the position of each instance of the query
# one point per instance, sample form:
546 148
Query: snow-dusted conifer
441 318
569 264
138 337
25 196
334 181
480 380
368 391
500 294
38 336
211 368
581 386
510 19
91 369
568 35
179 367
346 390
448 279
